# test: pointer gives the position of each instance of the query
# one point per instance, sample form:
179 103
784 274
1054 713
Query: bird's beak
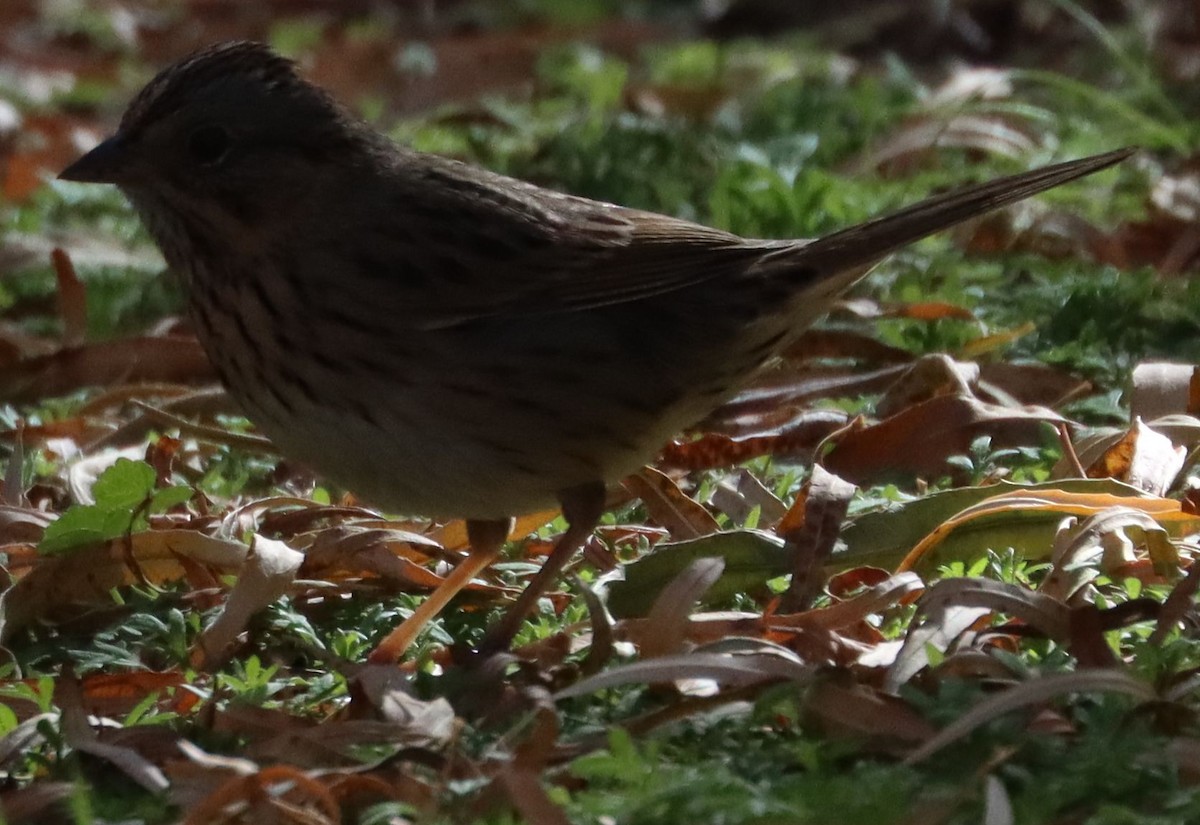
107 163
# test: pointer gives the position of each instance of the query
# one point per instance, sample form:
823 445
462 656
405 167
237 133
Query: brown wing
545 251
548 252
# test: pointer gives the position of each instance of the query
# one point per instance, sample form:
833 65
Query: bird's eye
209 144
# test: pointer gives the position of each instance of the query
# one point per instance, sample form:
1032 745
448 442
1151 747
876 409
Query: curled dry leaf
1161 388
1106 538
354 550
863 711
820 510
739 500
1142 458
267 574
52 585
170 359
1027 519
919 439
952 606
668 618
669 506
268 795
23 739
882 538
390 694
1031 383
882 596
917 143
756 435
22 525
928 377
768 663
967 84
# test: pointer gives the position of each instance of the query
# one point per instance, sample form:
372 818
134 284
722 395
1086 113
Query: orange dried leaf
669 506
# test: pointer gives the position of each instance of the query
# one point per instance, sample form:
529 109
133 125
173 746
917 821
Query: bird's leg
582 507
486 538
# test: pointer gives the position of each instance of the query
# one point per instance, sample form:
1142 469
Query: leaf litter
851 605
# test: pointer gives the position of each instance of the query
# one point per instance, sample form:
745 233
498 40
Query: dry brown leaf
825 500
77 733
267 573
929 377
951 606
764 663
667 621
22 525
45 801
882 596
72 299
1142 458
49 586
841 344
1031 383
741 496
862 711
277 793
667 505
919 439
173 359
24 738
115 694
799 435
1166 512
1103 543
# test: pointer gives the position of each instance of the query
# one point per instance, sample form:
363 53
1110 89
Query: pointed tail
865 244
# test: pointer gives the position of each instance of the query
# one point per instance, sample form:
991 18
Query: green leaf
124 485
122 490
168 497
751 557
884 537
82 525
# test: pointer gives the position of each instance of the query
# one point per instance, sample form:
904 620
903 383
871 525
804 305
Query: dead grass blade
667 621
770 663
1033 692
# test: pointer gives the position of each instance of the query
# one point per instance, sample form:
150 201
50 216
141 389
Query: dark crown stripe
173 87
